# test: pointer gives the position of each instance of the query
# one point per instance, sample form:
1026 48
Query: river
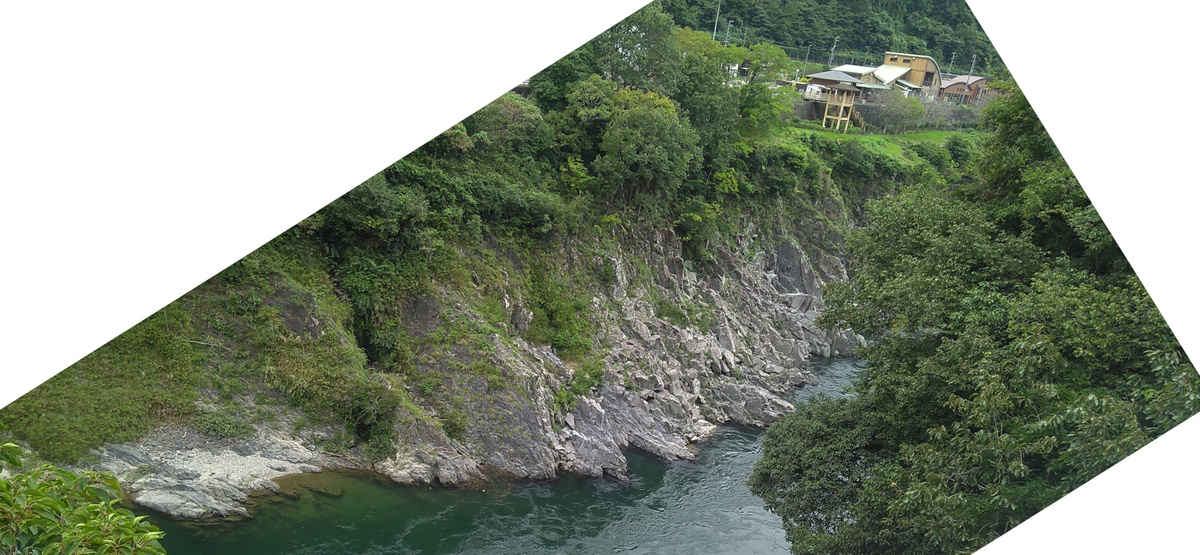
683 507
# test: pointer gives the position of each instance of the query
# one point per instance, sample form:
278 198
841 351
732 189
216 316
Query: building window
894 58
928 79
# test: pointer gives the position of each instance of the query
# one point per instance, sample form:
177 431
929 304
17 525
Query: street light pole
717 20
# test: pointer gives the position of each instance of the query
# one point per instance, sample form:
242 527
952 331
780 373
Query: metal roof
962 79
909 55
907 84
851 68
887 73
834 76
873 86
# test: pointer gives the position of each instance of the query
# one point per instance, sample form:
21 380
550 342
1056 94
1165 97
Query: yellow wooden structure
839 108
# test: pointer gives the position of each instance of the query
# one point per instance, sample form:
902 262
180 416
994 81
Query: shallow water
683 507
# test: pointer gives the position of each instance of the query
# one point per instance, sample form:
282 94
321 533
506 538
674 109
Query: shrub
53 511
222 424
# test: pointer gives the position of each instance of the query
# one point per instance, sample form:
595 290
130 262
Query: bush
454 423
53 511
222 423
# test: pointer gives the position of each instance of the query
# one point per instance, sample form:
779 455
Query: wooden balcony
834 98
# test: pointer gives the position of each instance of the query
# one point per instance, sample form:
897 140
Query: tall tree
642 51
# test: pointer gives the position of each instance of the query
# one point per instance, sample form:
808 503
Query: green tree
704 95
768 63
762 108
642 51
50 510
898 112
581 123
551 85
630 164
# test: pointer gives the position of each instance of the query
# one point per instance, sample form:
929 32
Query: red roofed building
959 91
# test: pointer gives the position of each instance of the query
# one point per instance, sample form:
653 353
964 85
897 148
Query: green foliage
381 446
1006 367
812 469
551 86
511 125
924 263
762 108
933 28
704 95
897 112
558 315
580 124
454 423
50 510
145 376
670 312
767 64
631 165
642 51
589 375
222 423
698 226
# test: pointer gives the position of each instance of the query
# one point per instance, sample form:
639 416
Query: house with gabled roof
862 73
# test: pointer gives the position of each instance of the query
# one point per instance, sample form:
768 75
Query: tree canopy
1007 365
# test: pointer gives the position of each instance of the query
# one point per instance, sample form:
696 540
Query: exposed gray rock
184 474
749 335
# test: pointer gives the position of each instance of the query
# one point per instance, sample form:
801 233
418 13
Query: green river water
683 507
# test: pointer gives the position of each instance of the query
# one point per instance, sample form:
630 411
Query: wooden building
914 69
959 91
866 74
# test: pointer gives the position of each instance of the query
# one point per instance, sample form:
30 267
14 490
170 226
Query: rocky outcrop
179 472
746 342
682 351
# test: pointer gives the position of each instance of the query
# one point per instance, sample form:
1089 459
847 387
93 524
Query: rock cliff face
741 341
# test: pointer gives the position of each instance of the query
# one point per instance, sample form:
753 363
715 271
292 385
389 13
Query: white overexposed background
144 146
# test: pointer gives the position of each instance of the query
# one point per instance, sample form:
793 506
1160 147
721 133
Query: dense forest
864 30
1013 353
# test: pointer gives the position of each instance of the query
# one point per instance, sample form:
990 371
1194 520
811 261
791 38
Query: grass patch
222 423
144 377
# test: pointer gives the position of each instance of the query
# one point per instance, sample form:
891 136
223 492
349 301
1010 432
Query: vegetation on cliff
1014 356
313 321
1014 352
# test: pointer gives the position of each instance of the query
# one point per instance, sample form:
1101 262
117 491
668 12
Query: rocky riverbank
666 384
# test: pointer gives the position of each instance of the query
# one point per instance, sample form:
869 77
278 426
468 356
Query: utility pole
805 70
716 20
967 85
727 25
951 68
831 50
